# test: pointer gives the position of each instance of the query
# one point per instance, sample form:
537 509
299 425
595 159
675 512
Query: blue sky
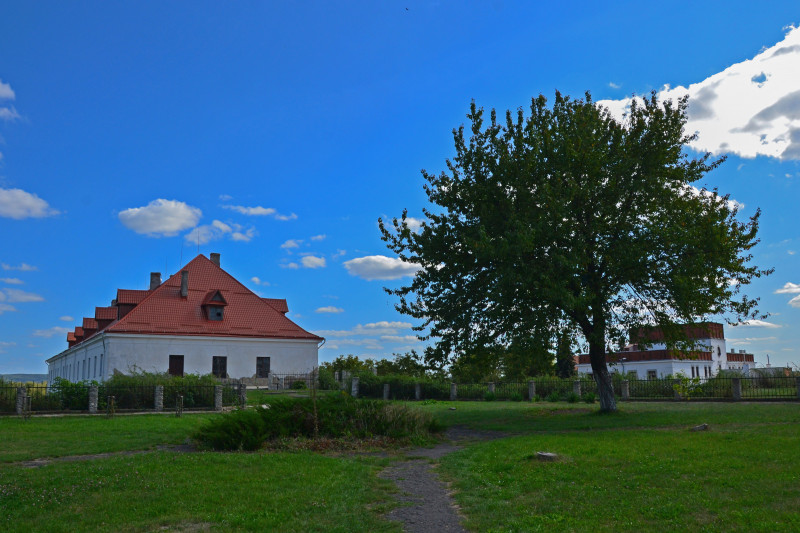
276 133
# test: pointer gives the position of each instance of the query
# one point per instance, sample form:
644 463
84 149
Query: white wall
151 354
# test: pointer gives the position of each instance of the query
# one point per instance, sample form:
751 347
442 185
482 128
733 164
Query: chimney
215 259
184 283
155 280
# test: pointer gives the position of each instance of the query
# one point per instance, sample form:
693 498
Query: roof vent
215 258
184 284
155 280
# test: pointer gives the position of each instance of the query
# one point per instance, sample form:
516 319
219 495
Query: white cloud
374 267
795 302
751 108
259 211
9 114
18 296
373 328
614 85
312 261
730 203
18 204
400 338
12 281
6 92
6 308
66 318
756 324
789 288
4 344
23 267
161 218
47 333
218 230
225 197
291 243
244 236
293 265
329 309
414 223
320 237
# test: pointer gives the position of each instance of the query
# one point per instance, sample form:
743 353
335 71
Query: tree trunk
605 389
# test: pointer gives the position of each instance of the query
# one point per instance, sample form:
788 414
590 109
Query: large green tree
569 219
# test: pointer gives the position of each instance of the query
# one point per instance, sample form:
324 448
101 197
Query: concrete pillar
798 387
337 377
531 390
218 397
93 399
354 387
385 391
242 395
158 400
736 386
22 393
453 392
626 390
491 387
576 388
417 391
281 383
676 386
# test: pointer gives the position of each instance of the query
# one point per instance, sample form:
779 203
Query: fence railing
79 397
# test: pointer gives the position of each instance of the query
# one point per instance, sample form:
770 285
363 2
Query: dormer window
214 305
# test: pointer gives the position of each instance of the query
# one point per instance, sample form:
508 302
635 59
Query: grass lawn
637 470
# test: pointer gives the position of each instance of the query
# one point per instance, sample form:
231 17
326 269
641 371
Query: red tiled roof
210 299
164 312
279 304
71 336
78 331
105 313
131 296
89 323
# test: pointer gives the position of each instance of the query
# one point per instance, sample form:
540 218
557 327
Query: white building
656 361
201 320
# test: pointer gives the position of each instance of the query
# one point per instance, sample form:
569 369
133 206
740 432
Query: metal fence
75 397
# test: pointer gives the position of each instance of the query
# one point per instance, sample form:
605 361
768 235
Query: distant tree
565 360
406 364
571 219
348 362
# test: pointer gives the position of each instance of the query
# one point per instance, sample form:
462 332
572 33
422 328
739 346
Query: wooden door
262 367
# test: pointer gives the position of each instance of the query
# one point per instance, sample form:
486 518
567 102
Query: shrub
572 397
516 397
554 397
489 396
338 415
299 385
589 397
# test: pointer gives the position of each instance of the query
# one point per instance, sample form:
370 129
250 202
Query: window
262 367
215 312
219 366
652 374
176 365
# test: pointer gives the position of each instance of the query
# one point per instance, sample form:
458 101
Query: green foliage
337 415
572 397
299 385
565 362
589 397
554 396
685 386
516 397
489 396
571 219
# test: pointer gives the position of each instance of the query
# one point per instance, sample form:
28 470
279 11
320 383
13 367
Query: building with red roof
201 320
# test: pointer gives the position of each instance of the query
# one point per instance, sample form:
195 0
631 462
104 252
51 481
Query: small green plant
299 385
489 396
553 397
572 397
686 386
516 397
589 397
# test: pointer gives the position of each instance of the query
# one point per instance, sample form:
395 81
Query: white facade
100 356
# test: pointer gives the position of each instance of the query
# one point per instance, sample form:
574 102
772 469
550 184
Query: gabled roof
89 323
163 312
105 313
279 304
131 296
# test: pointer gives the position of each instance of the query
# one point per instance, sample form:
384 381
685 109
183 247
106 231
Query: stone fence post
385 391
218 397
22 393
531 390
159 398
736 386
354 387
626 389
453 392
242 395
576 388
93 399
491 387
417 391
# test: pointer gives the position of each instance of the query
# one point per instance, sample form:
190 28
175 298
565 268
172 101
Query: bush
516 397
589 397
489 396
554 397
338 415
572 397
299 385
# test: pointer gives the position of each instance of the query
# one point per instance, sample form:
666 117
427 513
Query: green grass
192 492
78 435
636 470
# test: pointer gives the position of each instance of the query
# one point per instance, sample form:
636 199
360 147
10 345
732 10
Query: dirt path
426 502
